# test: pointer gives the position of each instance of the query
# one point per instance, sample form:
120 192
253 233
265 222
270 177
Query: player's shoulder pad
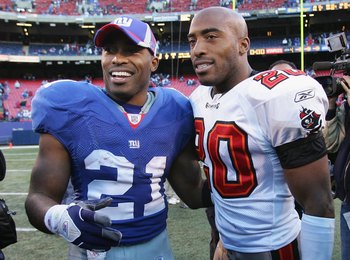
271 84
65 93
54 101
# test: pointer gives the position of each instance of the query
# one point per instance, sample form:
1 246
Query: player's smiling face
214 50
126 69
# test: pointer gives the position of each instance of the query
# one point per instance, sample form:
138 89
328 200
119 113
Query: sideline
13 193
18 147
26 229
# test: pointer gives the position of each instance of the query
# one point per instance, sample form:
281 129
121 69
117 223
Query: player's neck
136 109
232 82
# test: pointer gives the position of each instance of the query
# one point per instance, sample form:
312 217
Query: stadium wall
18 133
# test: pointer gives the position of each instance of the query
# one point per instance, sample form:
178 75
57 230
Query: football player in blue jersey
117 145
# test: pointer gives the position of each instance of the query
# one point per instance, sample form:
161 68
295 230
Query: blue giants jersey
112 158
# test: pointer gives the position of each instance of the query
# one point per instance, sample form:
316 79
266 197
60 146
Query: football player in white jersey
260 142
117 145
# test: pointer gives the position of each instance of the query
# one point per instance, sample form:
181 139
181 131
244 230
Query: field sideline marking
13 193
19 170
19 147
19 160
15 154
26 229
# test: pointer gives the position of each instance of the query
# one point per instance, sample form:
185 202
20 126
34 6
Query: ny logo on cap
123 21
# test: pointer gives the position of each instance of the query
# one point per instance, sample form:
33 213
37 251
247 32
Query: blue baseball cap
139 32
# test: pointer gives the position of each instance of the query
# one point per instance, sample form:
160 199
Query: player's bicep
305 165
51 171
310 185
296 157
185 176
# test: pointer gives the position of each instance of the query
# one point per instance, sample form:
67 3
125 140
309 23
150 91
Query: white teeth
202 66
121 74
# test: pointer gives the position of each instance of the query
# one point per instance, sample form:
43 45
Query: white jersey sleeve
296 108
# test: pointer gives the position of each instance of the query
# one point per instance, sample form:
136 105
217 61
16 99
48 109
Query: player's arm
186 179
78 222
306 171
49 179
310 185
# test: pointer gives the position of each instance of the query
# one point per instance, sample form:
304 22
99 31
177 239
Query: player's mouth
120 76
202 67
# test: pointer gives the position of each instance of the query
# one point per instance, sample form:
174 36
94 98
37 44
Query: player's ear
244 45
155 63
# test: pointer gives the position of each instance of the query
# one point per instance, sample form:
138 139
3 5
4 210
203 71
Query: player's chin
205 80
122 96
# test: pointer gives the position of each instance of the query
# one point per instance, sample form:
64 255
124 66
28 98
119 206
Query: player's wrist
53 216
317 237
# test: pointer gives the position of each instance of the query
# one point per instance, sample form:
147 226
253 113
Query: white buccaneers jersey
237 135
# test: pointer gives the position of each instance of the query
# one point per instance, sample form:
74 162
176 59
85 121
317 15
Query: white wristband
316 237
53 217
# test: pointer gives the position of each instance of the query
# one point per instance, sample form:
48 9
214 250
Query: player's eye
109 49
192 42
211 36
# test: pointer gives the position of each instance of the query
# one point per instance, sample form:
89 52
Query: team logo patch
310 120
303 95
134 144
134 118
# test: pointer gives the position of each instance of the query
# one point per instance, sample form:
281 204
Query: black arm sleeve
2 166
302 151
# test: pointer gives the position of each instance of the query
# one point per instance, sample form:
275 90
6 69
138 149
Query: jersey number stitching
233 140
124 210
272 78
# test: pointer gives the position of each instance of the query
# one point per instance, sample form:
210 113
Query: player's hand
79 224
220 252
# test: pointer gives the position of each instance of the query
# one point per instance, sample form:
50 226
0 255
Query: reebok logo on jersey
303 95
211 106
310 120
134 144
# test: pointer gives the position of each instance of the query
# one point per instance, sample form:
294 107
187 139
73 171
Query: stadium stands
6 5
15 102
261 4
77 7
206 3
11 48
124 6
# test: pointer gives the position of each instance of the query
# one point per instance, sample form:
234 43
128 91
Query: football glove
78 223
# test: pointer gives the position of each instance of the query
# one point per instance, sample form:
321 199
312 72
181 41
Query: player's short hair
283 62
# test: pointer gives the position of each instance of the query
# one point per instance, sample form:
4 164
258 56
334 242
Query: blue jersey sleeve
54 103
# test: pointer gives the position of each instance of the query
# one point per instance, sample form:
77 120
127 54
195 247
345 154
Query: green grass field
188 229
